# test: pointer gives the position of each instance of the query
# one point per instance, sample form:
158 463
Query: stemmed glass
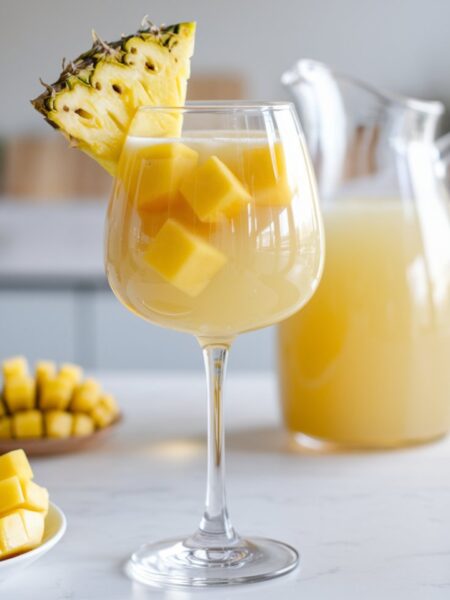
214 229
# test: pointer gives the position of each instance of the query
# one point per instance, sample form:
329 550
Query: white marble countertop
373 526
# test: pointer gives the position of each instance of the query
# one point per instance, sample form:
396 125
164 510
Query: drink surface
213 234
366 361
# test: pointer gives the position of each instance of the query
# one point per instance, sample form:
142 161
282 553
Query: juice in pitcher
366 361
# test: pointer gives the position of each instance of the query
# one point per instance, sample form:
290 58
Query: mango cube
82 424
106 411
58 424
16 366
22 493
11 495
27 424
71 372
213 191
266 175
13 535
86 396
45 370
20 393
5 428
33 523
15 463
157 173
56 393
184 259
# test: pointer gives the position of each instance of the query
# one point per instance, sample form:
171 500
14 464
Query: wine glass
214 229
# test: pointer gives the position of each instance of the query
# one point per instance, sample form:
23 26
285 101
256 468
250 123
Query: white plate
55 527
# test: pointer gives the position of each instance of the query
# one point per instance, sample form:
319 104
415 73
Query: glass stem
215 528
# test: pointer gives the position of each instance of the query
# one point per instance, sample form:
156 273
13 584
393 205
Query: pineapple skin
97 94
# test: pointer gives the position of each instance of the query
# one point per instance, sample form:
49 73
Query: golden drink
366 361
215 235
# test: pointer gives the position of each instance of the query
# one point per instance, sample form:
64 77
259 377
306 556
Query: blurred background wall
53 298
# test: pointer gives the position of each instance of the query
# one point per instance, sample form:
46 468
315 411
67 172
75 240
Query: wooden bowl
54 446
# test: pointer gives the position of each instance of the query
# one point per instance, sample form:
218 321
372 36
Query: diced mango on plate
183 258
52 404
214 192
23 506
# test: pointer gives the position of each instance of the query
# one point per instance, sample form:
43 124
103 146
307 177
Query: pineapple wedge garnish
97 94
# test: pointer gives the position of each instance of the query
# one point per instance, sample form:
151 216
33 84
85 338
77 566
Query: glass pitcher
366 362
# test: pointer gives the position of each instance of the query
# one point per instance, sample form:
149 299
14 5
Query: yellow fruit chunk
213 191
33 523
13 535
5 428
183 259
16 366
72 372
155 173
45 370
35 496
22 493
15 463
106 411
82 424
11 495
27 424
58 424
56 393
265 174
86 396
2 409
20 393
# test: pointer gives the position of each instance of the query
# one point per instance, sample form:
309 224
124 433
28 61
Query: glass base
321 445
178 563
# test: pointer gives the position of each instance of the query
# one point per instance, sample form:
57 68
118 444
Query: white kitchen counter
373 526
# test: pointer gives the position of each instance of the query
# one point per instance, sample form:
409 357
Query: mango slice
20 393
156 173
184 259
214 192
15 463
28 424
58 424
82 424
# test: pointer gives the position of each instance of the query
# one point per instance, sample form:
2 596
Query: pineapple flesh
97 94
